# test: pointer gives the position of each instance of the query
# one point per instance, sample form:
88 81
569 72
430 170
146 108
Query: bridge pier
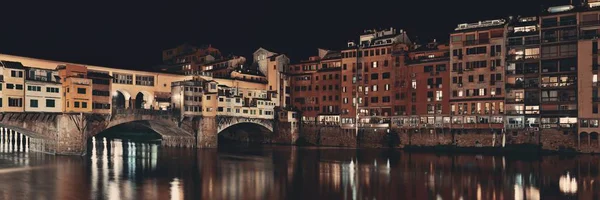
206 132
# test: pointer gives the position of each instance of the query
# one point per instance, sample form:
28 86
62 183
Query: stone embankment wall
548 140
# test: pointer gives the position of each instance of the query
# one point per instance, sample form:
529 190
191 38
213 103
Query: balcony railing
589 23
556 99
515 126
41 78
515 100
476 42
517 85
559 112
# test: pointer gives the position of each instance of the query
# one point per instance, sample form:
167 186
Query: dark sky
132 35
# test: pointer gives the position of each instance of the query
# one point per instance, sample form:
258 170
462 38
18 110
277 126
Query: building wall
13 93
586 86
495 37
42 96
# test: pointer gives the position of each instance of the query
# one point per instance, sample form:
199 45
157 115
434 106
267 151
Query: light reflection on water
121 169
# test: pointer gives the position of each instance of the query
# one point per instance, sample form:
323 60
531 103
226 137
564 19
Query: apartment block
316 87
43 90
101 91
13 81
477 73
522 82
424 101
77 88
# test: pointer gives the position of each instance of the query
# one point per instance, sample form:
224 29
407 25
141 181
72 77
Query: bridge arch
120 98
143 100
226 122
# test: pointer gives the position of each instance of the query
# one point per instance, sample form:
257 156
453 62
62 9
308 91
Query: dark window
50 103
385 75
33 103
83 104
471 78
81 91
76 104
19 87
374 76
15 102
481 78
374 99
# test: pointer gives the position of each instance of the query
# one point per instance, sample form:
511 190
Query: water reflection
121 169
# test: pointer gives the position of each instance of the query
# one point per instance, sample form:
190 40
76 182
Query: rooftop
11 64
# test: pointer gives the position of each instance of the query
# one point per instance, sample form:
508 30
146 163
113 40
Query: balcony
514 100
516 85
476 42
559 112
589 23
556 99
515 112
515 126
42 79
558 85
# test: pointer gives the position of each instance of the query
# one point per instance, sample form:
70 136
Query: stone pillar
206 133
70 140
10 137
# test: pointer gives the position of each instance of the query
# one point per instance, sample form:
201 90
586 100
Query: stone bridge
67 133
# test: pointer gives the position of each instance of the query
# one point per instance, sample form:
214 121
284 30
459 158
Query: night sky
132 35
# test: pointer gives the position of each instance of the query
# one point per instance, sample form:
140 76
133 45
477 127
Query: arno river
119 169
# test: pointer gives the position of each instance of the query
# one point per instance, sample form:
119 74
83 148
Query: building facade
77 88
101 91
43 90
13 94
477 72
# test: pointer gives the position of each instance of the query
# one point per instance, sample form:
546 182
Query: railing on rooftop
476 42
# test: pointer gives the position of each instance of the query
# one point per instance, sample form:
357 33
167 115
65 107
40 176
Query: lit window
374 88
374 64
438 95
481 92
414 84
387 87
460 93
595 78
431 56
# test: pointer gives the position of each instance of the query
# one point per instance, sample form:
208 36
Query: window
374 99
52 89
15 102
387 87
33 103
438 95
374 88
144 80
414 84
471 79
19 87
18 74
34 88
50 103
374 64
385 75
123 78
100 93
374 76
81 91
385 99
481 78
83 104
76 105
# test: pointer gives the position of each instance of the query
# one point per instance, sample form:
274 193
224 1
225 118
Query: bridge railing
125 111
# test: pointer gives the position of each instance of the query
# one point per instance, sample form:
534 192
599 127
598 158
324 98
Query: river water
120 169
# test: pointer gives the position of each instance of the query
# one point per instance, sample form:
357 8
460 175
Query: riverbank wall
447 139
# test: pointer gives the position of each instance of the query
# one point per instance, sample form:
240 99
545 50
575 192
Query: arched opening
136 130
583 139
245 133
594 139
139 101
118 100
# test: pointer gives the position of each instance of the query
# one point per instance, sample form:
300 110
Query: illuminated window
414 84
374 64
438 95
